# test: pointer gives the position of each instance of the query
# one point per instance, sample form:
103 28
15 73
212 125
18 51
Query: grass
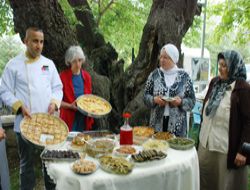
14 178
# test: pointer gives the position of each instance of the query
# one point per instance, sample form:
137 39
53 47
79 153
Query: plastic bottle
126 132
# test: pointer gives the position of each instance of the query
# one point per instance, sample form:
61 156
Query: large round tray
40 126
179 143
92 101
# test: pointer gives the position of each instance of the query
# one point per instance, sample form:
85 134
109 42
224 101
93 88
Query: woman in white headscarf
169 93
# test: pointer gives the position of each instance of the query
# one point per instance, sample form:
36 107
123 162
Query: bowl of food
99 147
142 134
163 136
116 165
125 150
155 144
78 143
181 143
84 167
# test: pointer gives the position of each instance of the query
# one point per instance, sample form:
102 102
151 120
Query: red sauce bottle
126 132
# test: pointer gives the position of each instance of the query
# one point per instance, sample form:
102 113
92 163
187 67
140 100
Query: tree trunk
47 15
168 21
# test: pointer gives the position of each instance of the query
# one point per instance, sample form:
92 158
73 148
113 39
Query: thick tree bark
168 21
47 15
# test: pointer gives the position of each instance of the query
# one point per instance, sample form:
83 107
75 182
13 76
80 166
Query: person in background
30 84
2 132
169 81
76 82
4 169
225 127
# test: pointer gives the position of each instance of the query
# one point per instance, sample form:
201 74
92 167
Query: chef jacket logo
45 68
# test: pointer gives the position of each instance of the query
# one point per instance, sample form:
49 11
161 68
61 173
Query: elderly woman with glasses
76 82
169 93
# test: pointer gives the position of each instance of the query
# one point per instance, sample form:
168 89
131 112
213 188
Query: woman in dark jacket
225 127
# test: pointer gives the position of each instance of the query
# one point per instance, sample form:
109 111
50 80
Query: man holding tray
30 84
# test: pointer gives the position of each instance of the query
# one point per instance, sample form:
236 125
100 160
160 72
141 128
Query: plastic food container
99 147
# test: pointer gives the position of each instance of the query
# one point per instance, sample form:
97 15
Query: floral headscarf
237 70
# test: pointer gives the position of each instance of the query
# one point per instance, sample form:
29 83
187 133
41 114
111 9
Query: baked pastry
93 105
143 131
44 129
84 166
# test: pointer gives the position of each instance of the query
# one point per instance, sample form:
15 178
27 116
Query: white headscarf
172 52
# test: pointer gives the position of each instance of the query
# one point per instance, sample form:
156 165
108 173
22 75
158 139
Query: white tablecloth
179 171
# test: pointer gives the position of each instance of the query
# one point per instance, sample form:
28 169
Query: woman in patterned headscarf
169 81
225 127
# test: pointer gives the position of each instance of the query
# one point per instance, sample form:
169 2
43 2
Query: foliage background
227 27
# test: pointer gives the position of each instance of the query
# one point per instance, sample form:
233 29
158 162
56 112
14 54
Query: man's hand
52 108
25 111
158 100
240 160
2 134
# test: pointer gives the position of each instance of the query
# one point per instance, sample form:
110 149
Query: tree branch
101 12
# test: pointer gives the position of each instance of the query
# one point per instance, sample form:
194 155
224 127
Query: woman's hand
240 160
176 102
73 106
158 100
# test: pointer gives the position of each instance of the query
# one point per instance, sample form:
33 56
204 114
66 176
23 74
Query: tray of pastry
93 106
44 130
59 155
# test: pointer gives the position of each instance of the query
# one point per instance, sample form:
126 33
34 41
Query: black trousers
165 123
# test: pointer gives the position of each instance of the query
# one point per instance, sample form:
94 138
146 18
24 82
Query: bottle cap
126 115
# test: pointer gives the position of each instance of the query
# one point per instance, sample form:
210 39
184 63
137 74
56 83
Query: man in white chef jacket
30 84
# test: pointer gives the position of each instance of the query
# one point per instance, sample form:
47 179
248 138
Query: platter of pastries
93 106
43 129
84 167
